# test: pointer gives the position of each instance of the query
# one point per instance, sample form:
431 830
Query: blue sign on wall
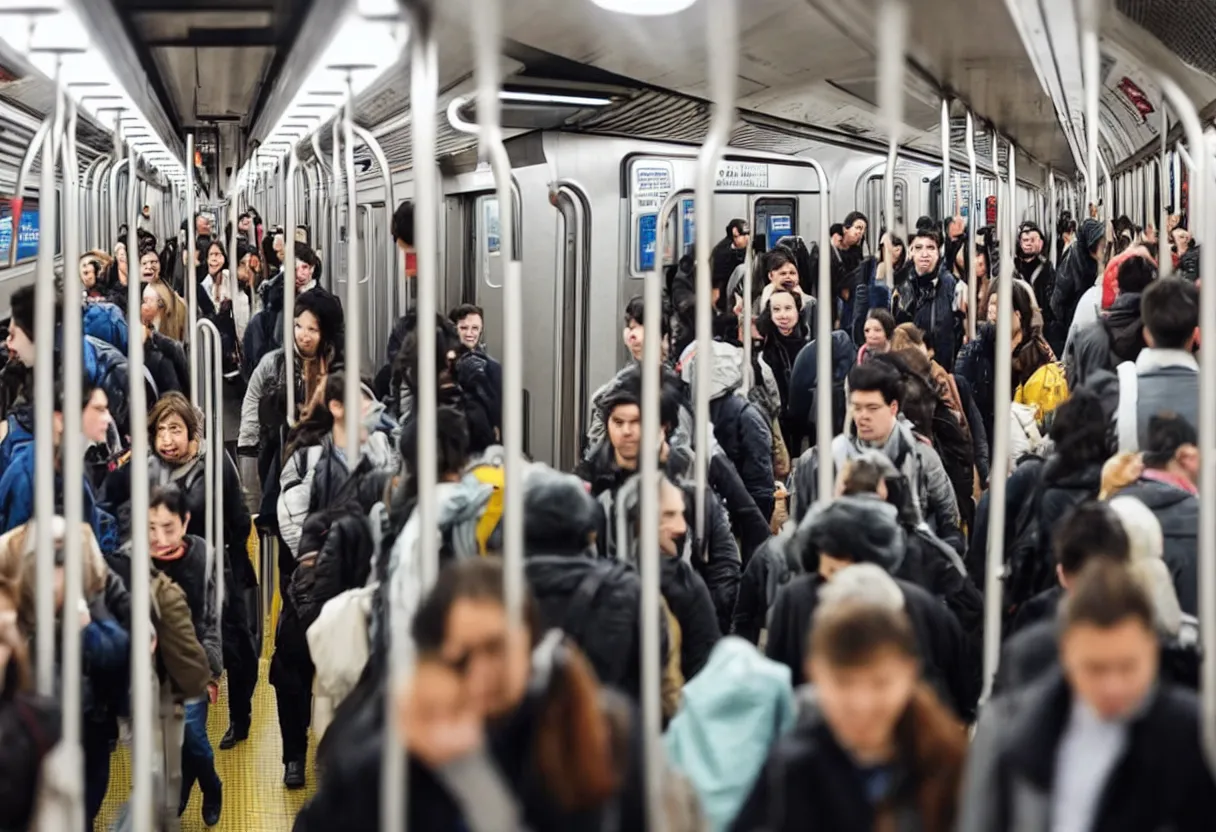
780 224
647 226
27 234
689 216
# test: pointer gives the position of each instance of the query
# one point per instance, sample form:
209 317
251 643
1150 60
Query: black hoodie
1077 272
1108 342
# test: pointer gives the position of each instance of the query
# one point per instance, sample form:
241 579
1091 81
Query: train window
774 218
651 181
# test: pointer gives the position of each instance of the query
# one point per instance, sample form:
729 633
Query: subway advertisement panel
27 232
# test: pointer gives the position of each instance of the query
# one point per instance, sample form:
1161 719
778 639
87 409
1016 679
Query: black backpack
1027 571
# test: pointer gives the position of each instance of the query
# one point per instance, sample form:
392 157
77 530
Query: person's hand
439 722
85 618
213 691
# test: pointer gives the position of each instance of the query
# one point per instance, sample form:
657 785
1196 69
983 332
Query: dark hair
1134 275
451 442
304 254
861 476
22 306
172 498
174 404
328 314
886 319
629 391
559 515
735 224
1087 531
852 217
837 230
573 741
465 310
635 310
1170 309
878 376
1078 430
1105 595
929 233
403 223
925 222
1167 432
852 633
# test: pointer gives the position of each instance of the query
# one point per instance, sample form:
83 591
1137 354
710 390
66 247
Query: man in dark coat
1168 487
1078 271
927 298
864 529
1102 745
1118 335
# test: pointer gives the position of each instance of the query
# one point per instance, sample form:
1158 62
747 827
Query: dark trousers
291 673
96 738
240 657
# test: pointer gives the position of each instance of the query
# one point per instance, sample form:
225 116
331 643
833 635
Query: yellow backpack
1045 390
493 476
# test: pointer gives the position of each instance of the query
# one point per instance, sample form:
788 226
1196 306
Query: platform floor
255 799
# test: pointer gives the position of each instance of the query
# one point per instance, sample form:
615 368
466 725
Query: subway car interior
530 573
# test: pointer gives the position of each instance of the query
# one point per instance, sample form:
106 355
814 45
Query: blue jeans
198 758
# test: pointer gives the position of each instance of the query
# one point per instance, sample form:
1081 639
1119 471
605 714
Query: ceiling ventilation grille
1186 27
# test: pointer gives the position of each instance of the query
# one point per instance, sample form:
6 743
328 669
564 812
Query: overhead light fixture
644 8
557 100
50 35
360 52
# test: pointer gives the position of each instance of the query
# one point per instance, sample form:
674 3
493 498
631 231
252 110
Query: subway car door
774 218
487 268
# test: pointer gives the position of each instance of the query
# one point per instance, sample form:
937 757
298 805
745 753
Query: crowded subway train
478 548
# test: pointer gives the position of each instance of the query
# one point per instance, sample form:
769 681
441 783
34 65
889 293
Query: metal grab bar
190 272
892 35
353 395
1091 59
1165 265
424 99
1203 216
1049 225
207 337
973 221
116 214
289 292
90 204
143 702
390 206
27 163
947 211
1000 455
749 261
72 457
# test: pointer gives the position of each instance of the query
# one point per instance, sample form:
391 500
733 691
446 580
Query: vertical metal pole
973 219
1200 219
424 98
190 274
947 210
353 394
1050 222
335 206
44 386
72 457
1091 61
892 32
1000 455
823 340
392 261
1165 262
724 48
143 706
748 265
207 336
289 294
487 25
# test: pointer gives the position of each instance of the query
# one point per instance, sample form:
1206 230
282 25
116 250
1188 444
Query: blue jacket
20 432
17 499
106 322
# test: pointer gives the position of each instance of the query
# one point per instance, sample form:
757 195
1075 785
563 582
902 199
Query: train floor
255 799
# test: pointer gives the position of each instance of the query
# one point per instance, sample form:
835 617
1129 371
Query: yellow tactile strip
255 799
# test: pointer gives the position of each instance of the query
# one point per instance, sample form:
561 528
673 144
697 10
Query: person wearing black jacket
715 554
1118 335
926 297
1078 271
478 744
863 529
165 360
1034 267
1093 747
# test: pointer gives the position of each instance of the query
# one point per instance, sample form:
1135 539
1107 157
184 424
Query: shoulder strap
579 611
1127 418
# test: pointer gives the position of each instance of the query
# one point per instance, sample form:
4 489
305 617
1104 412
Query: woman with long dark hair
783 334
